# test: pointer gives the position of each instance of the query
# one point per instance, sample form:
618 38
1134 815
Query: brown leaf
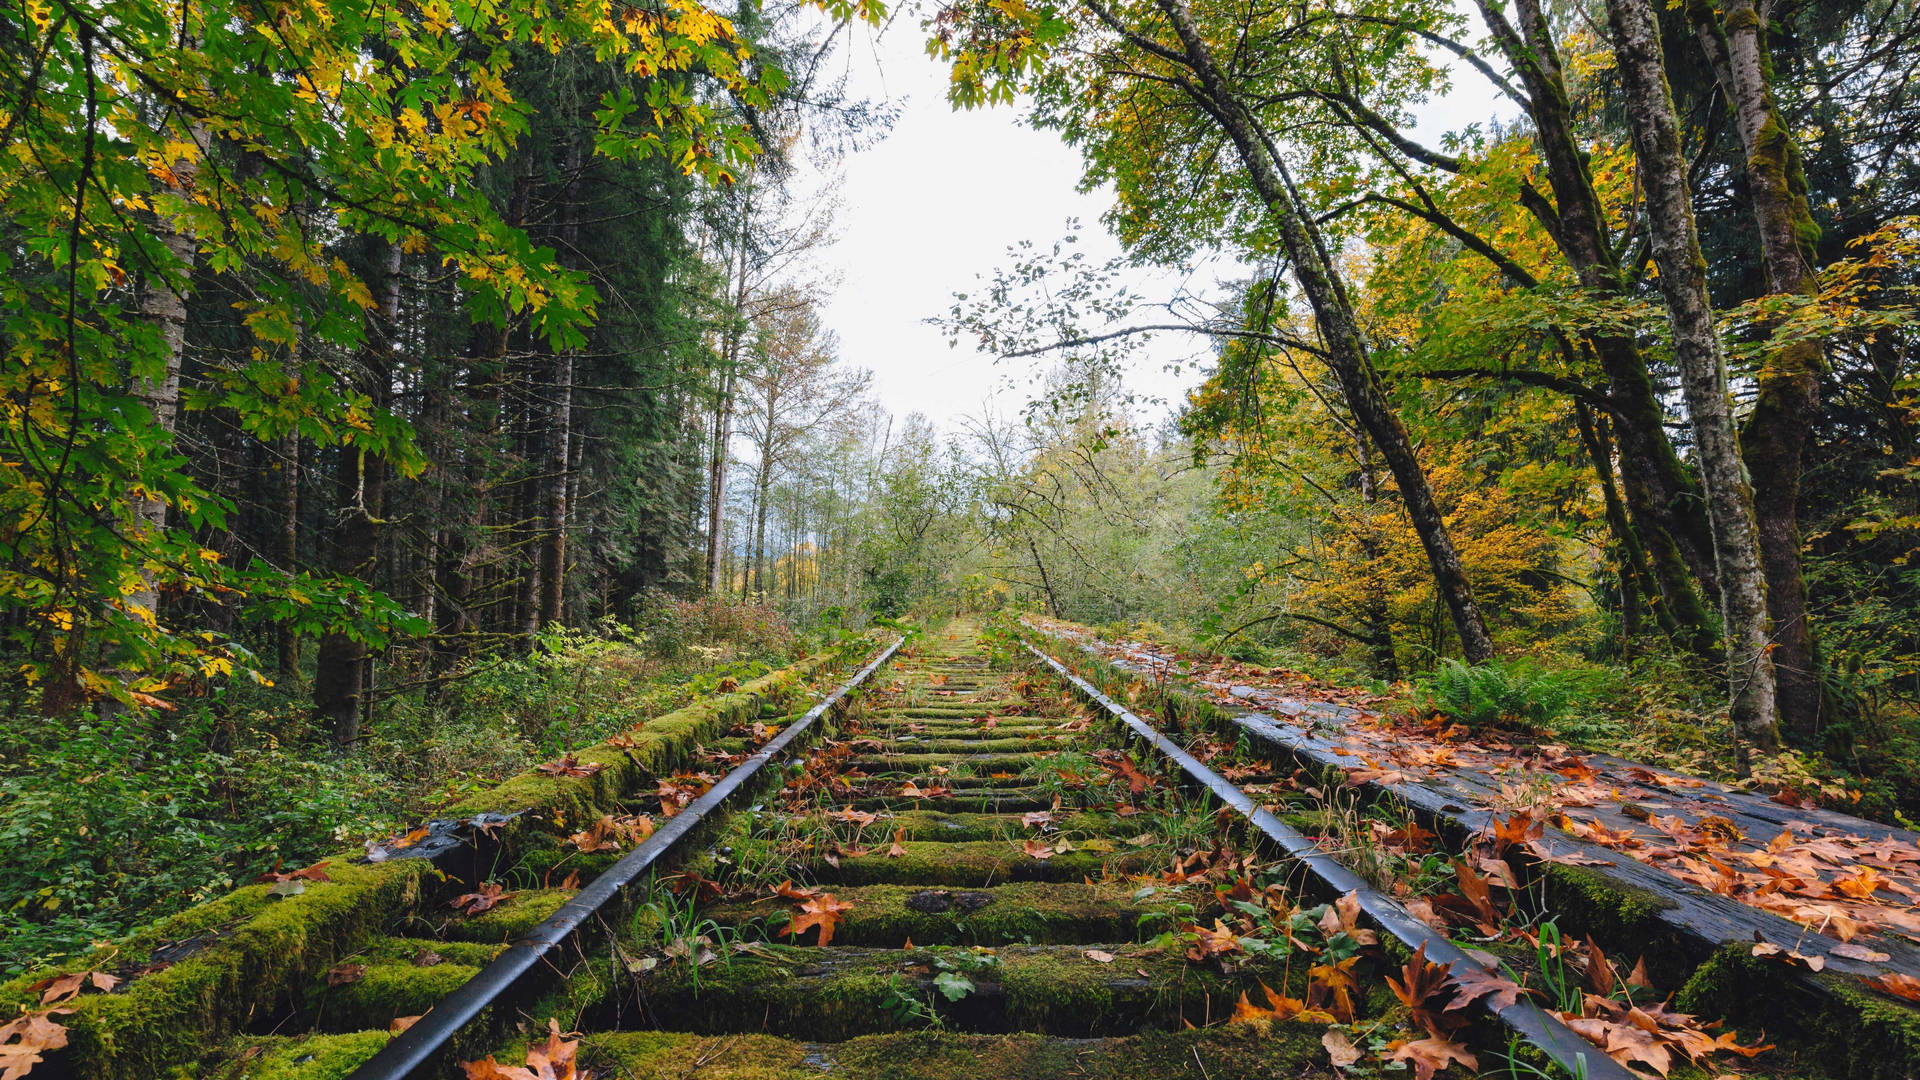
427 958
25 1038
1218 941
569 765
402 1023
1859 952
1340 1050
899 847
345 974
823 911
1898 984
1333 985
552 1060
482 899
1474 888
1419 988
1099 957
1429 1056
1790 956
1472 984
1037 819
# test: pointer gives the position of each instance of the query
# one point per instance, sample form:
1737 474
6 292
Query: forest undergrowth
109 825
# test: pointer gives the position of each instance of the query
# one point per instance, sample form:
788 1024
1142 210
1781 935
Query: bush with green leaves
1521 692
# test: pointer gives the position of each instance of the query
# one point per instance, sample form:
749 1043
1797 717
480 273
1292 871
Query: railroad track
976 872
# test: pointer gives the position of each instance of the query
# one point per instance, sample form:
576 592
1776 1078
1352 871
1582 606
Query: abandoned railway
970 860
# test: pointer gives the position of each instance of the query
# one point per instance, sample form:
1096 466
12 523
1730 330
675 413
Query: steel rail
1545 1033
418 1045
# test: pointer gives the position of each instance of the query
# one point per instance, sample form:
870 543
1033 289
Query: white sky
932 209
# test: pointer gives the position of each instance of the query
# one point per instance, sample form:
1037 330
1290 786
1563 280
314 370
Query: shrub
1520 691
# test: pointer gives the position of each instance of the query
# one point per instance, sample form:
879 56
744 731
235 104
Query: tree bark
723 405
553 544
289 547
1702 363
1780 427
166 307
1346 353
339 678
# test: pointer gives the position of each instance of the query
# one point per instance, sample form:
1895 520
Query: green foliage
1522 691
108 825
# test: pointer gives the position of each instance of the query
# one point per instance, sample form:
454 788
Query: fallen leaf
1859 952
345 974
1428 1056
569 765
1898 984
402 1023
61 987
899 843
1341 1051
1472 984
1814 962
484 898
1218 941
25 1038
1100 957
823 911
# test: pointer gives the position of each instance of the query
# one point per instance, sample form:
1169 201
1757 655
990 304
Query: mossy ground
1234 1052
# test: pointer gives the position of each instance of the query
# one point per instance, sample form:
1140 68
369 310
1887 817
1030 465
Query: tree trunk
340 674
1780 426
553 546
289 547
166 307
1346 348
1663 500
1702 364
1630 559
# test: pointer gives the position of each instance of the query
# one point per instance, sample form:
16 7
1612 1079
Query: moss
1035 912
975 746
984 862
383 994
1232 1052
840 993
661 1055
1591 904
314 1057
511 918
1838 1029
172 1015
984 800
917 764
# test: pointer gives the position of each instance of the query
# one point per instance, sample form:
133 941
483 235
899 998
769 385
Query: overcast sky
932 209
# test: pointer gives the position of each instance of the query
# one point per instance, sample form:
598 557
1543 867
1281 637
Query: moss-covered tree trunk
1777 432
1663 501
1703 371
1346 352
